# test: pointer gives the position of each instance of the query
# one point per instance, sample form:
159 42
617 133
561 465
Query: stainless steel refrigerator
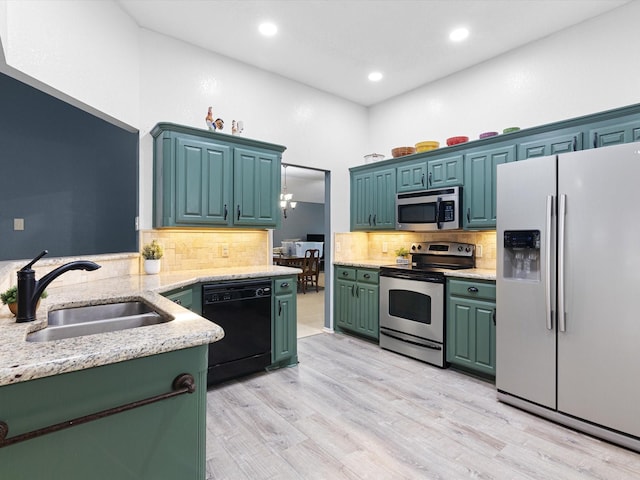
568 289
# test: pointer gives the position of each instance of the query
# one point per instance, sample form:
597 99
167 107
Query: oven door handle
419 344
438 214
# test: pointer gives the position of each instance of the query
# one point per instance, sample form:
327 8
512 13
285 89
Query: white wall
591 67
85 53
179 81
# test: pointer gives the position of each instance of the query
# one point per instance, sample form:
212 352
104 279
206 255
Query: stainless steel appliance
243 310
412 306
568 268
428 210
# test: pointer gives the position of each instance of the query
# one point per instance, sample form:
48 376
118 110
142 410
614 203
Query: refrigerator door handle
547 280
562 208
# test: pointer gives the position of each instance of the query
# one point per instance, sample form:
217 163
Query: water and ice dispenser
522 254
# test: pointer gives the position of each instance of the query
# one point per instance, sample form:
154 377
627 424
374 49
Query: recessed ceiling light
375 76
268 29
458 34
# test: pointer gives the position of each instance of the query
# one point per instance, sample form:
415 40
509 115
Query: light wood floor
311 310
350 410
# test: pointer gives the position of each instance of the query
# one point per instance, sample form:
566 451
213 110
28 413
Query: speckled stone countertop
473 273
21 360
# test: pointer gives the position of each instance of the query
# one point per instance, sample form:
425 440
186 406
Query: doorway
305 217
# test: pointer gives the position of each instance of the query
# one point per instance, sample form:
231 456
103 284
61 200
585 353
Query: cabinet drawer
346 273
283 285
181 297
368 276
473 289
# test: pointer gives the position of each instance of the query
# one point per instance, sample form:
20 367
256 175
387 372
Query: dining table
288 260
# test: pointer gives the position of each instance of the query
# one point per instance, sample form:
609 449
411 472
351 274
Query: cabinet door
345 303
256 188
480 185
367 321
361 201
445 172
203 183
471 334
284 328
411 177
615 134
161 441
384 199
546 145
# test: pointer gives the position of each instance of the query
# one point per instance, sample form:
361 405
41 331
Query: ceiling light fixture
375 76
285 197
268 29
459 34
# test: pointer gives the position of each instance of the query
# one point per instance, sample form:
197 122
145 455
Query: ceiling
333 45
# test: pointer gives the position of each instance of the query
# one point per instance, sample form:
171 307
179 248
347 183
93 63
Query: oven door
413 307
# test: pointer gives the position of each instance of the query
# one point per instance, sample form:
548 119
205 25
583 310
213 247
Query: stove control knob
419 247
413 247
468 249
459 248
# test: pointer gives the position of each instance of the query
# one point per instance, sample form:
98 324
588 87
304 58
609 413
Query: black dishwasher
243 310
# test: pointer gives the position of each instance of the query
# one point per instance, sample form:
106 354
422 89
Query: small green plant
152 251
11 295
402 252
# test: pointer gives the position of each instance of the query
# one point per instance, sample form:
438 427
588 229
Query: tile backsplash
196 249
362 245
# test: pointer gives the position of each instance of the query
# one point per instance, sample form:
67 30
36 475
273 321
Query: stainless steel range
412 305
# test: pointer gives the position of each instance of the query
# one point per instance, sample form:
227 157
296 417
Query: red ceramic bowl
456 140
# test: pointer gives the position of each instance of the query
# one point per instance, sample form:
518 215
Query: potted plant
152 253
10 298
402 256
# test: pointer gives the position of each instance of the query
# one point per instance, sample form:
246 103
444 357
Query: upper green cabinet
614 132
209 179
373 194
550 144
423 174
480 184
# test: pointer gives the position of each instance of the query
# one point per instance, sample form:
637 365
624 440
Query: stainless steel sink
79 321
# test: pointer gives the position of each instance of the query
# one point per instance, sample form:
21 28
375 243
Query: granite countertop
21 360
474 273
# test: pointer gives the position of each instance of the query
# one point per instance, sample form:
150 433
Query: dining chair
310 269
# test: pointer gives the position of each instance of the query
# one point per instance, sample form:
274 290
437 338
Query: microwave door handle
438 214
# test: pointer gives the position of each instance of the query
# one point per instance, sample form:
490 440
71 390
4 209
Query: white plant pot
152 267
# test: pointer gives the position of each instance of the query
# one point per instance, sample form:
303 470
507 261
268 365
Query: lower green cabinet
471 325
160 440
189 297
357 297
284 349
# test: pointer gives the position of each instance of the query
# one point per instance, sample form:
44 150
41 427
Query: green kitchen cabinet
471 325
546 144
442 171
357 297
209 179
445 171
373 196
256 185
160 440
189 297
614 132
284 351
479 204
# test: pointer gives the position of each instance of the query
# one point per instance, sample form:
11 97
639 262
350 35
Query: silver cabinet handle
177 301
472 289
562 325
547 280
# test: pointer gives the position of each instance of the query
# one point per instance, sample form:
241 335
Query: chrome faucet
30 289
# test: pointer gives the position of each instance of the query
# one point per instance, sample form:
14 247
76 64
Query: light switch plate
225 249
18 223
385 247
478 251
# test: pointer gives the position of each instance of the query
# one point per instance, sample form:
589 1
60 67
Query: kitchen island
45 384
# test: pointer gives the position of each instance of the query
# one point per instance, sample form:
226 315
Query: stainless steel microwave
429 210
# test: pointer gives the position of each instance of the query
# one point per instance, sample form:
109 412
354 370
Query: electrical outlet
18 223
337 246
385 247
478 251
225 249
